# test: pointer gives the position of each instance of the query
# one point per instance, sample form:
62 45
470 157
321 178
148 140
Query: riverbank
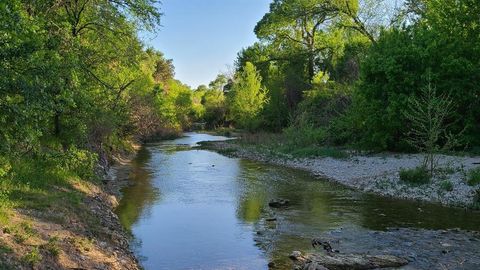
73 226
377 174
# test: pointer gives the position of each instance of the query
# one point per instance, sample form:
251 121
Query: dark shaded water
196 209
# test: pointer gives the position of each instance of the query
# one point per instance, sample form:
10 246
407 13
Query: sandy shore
378 174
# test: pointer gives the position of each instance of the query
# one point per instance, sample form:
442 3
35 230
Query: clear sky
203 37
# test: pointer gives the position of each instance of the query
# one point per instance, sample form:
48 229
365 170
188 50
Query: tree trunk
56 121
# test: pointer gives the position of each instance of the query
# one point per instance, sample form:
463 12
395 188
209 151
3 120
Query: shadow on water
211 209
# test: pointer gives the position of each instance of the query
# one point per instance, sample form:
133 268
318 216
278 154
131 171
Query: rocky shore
377 174
400 248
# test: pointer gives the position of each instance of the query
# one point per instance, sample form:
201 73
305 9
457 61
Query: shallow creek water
196 209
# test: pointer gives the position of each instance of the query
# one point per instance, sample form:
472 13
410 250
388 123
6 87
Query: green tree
220 81
247 98
215 108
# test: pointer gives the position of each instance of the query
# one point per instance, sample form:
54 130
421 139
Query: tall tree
247 98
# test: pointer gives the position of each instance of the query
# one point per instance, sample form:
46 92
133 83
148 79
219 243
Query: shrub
52 246
417 175
474 177
4 249
446 185
78 161
33 257
428 134
5 204
305 135
5 166
81 162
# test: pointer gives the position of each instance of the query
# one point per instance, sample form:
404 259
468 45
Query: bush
417 175
5 204
5 166
33 257
52 246
318 151
78 161
303 136
474 177
324 103
446 185
81 162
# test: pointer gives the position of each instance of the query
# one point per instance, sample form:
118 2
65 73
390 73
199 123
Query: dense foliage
343 72
77 84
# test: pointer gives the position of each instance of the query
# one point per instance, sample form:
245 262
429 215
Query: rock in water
335 261
278 203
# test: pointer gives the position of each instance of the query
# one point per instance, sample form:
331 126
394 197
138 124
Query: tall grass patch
418 176
474 177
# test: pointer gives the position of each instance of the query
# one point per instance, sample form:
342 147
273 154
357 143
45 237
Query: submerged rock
335 261
279 203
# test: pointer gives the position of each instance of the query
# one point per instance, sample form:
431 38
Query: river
195 209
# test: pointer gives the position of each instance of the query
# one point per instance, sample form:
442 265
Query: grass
315 151
83 244
22 232
474 177
51 192
284 144
227 132
446 185
52 246
33 257
417 176
227 151
476 200
4 266
38 184
5 205
5 249
446 170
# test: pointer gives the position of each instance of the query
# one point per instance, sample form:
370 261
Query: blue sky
204 36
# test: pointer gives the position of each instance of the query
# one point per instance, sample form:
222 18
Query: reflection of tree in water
250 207
140 195
251 195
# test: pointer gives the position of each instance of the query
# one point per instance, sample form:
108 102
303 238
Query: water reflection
141 195
195 209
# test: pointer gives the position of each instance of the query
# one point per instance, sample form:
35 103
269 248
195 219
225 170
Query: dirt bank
83 233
